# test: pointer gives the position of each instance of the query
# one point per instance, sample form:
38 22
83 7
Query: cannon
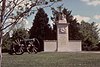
26 45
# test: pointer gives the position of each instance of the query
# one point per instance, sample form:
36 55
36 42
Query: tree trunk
1 43
1 26
0 47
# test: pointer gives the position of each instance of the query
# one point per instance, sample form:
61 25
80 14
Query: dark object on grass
19 47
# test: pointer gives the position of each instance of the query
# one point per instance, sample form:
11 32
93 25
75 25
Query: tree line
85 31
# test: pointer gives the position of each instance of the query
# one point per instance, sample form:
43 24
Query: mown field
43 59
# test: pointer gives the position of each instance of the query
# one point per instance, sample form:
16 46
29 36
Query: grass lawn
43 59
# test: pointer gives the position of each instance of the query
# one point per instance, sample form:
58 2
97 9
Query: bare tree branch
2 13
23 14
7 15
9 25
18 17
10 11
15 4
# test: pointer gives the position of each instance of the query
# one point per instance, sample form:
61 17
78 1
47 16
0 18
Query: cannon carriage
26 45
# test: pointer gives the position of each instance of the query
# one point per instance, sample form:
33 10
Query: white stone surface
50 45
62 38
74 45
71 46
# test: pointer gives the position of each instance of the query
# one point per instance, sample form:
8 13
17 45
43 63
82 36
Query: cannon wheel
19 50
34 49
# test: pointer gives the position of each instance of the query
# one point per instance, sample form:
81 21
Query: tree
6 42
20 33
74 33
90 36
40 25
16 10
41 28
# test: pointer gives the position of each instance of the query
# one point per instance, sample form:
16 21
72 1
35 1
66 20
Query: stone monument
62 44
62 34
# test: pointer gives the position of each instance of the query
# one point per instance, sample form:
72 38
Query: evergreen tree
74 33
40 29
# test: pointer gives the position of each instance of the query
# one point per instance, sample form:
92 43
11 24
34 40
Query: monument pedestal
62 37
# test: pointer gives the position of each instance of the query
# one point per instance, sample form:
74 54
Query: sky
87 10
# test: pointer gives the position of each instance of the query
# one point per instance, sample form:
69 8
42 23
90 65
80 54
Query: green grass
52 60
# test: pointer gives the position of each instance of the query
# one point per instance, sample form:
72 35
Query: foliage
89 33
74 33
20 33
6 41
40 20
41 28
